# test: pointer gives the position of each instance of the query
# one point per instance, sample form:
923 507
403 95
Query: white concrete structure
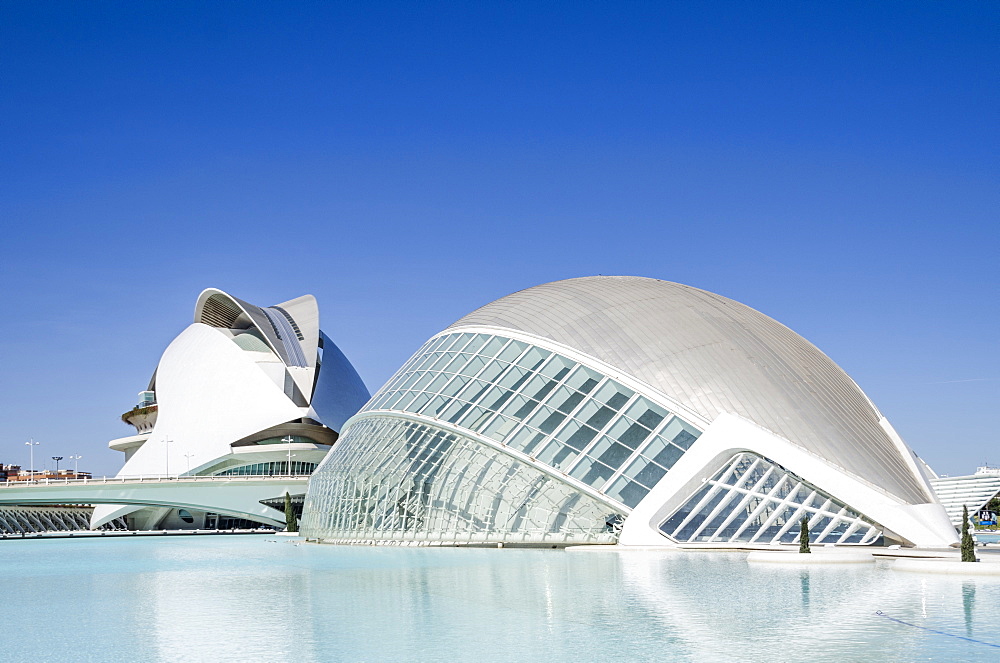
158 501
628 410
973 491
243 390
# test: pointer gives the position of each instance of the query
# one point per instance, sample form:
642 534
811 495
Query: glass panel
628 433
473 390
418 402
645 413
437 383
577 435
613 395
680 433
613 455
500 427
533 441
557 368
493 346
427 361
455 411
513 378
490 373
436 406
512 351
565 399
592 473
411 379
495 397
474 417
477 342
645 472
442 361
557 455
437 343
473 367
539 386
455 386
533 358
627 492
583 379
457 363
522 438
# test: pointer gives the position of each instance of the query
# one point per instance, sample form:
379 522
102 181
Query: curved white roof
714 355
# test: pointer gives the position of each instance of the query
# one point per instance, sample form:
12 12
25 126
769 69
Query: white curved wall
714 355
210 394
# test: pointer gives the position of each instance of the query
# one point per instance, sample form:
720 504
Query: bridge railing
152 478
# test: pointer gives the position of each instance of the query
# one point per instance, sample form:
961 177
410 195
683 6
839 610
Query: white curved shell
714 355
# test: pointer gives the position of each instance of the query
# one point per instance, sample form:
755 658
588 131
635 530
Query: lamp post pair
31 447
31 468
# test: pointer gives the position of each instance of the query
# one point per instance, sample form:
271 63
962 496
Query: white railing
153 478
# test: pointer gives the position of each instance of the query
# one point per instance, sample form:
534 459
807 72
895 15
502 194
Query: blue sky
833 165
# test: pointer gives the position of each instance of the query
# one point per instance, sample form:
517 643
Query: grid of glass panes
547 406
754 500
269 469
389 479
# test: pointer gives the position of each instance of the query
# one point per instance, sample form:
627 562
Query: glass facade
278 468
390 479
563 414
753 500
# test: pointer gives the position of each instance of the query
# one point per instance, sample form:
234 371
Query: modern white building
621 410
973 492
242 391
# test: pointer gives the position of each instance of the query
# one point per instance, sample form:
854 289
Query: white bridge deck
238 496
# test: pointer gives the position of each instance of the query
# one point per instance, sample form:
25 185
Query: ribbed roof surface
714 355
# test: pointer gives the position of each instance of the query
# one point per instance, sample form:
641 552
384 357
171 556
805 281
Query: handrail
152 478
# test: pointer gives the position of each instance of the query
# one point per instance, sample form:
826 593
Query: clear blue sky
834 165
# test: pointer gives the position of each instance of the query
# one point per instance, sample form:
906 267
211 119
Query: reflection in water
969 604
257 598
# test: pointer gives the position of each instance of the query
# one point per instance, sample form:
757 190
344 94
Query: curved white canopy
715 355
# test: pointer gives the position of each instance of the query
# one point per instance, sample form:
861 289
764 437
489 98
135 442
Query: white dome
714 355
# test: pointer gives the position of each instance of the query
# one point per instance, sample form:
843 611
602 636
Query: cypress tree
290 524
804 536
968 549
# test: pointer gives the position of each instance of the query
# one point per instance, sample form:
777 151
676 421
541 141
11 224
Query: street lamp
288 440
76 464
189 457
57 459
31 446
166 447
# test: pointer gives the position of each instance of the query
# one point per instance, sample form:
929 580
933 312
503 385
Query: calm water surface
261 598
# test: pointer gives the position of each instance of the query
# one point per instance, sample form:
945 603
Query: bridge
236 496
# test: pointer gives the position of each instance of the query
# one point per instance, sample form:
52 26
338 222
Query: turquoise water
265 598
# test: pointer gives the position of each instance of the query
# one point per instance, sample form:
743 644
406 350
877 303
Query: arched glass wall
753 500
561 413
393 477
397 480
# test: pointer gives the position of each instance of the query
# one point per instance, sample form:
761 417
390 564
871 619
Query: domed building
243 391
621 410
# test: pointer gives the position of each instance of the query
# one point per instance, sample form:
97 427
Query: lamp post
57 459
31 446
288 440
166 448
189 457
76 464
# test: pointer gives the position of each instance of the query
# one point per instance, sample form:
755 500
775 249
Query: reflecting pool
266 598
